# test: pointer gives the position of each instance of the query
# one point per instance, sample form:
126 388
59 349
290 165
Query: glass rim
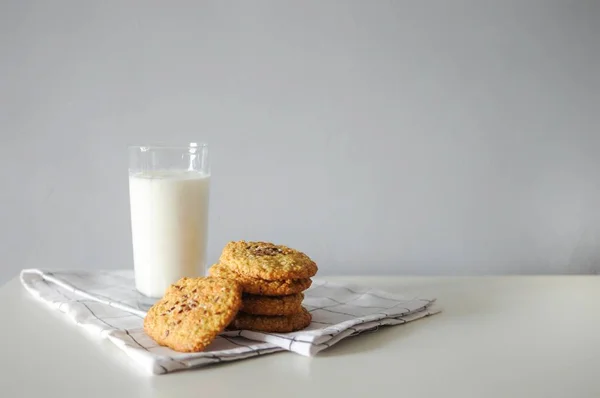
191 145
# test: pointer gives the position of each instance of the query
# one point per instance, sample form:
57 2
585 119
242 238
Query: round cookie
262 287
273 324
274 305
193 312
267 261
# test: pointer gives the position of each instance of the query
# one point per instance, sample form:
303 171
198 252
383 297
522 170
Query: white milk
169 221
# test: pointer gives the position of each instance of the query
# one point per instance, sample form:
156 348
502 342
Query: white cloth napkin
107 303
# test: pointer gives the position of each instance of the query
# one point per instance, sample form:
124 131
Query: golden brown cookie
193 312
262 287
272 305
274 324
267 261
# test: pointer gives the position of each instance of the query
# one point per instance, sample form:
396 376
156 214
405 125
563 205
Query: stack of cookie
273 278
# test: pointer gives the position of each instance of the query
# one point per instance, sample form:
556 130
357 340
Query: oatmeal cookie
193 312
273 324
267 261
259 286
272 305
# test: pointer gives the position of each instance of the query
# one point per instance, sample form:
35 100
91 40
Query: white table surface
497 337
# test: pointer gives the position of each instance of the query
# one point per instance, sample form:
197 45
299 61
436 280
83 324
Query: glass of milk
168 193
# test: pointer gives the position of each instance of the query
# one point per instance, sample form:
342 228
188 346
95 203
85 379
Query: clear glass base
145 302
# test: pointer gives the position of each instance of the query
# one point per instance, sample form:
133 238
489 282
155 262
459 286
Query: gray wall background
396 137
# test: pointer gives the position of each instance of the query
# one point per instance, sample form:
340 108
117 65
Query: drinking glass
169 204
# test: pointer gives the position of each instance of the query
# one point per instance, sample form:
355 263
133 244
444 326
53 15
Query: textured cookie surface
267 261
273 324
193 312
263 287
272 305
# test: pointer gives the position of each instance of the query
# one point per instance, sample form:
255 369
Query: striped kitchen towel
107 303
